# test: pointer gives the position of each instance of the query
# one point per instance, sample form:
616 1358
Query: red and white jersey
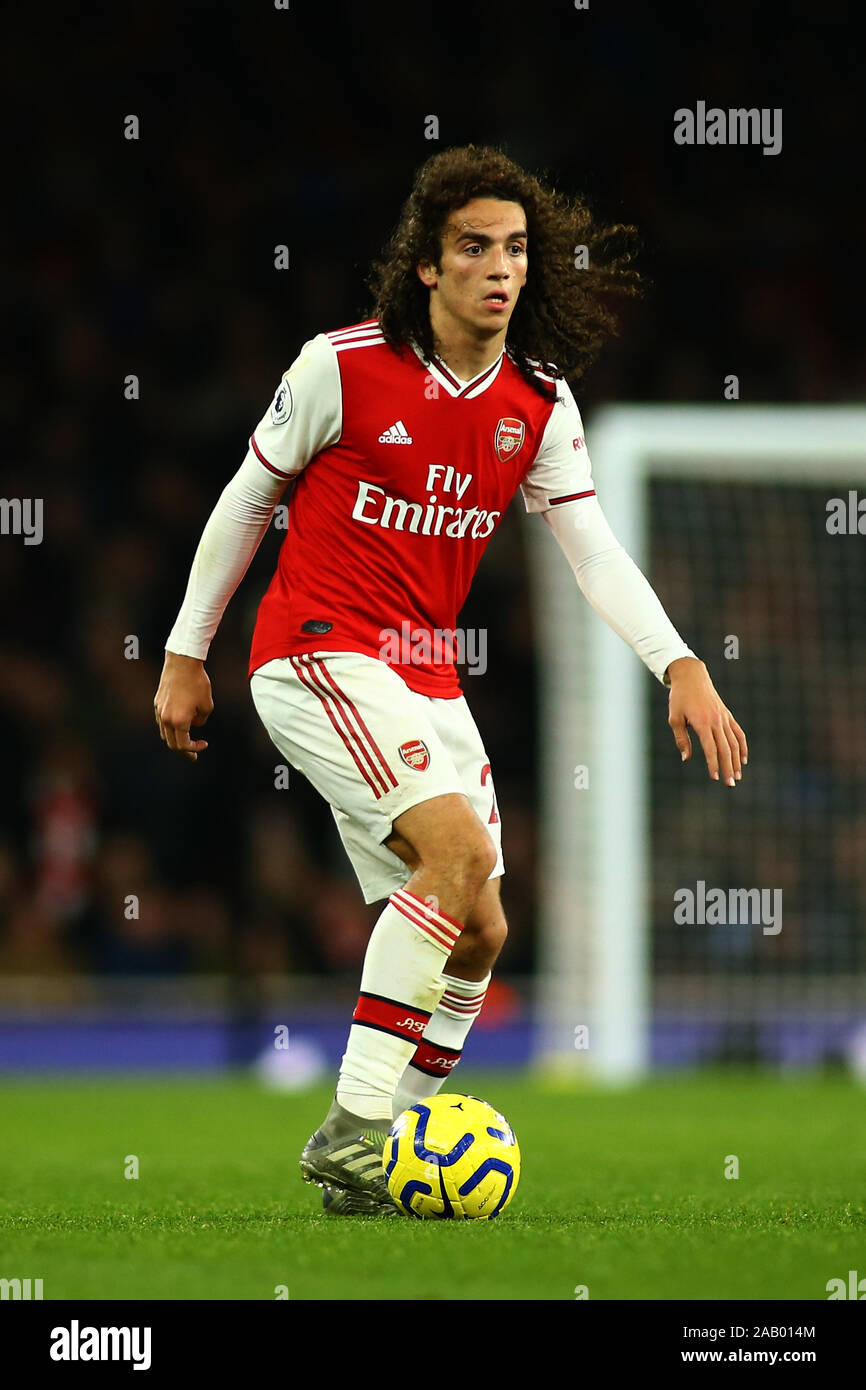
400 474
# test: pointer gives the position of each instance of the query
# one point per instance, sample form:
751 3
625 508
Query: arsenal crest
509 438
415 755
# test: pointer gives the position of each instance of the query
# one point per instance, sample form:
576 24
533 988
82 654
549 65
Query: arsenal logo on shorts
510 435
415 754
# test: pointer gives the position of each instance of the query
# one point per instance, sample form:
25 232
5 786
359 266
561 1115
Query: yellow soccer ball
452 1157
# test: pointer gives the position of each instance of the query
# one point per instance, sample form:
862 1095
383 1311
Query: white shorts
372 748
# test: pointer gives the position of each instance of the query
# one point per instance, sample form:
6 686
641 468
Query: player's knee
488 932
497 934
478 857
448 840
467 862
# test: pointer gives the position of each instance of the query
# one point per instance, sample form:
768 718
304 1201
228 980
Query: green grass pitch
622 1192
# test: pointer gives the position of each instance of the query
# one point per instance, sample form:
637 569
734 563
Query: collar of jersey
453 385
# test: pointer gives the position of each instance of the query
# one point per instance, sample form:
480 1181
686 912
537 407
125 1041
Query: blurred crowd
154 258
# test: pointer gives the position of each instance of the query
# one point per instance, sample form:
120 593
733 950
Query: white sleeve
611 581
305 417
306 414
561 470
560 486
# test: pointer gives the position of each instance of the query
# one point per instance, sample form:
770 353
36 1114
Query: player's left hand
695 702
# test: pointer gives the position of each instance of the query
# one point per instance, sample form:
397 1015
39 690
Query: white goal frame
593 942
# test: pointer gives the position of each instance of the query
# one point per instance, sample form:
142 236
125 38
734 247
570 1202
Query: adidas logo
396 434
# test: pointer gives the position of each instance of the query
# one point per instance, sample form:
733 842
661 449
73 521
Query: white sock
401 986
440 1049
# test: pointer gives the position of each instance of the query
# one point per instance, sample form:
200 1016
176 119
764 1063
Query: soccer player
403 439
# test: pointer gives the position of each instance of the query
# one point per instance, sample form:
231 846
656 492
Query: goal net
682 922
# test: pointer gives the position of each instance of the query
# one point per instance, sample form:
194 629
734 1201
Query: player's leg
405 970
484 928
482 938
467 975
401 987
364 740
468 970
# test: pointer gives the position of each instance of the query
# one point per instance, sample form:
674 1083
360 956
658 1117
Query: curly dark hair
561 318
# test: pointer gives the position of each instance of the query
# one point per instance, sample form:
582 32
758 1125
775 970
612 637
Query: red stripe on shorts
313 669
304 676
372 742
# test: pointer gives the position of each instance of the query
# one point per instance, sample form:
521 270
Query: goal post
594 987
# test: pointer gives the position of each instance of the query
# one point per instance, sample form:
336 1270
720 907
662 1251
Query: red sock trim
390 1016
436 925
434 1059
427 907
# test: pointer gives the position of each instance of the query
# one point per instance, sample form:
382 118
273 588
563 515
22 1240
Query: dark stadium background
155 257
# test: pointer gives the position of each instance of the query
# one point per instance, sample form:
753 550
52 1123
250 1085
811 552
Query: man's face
483 267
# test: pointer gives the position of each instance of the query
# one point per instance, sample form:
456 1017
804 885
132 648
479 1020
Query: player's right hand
182 700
